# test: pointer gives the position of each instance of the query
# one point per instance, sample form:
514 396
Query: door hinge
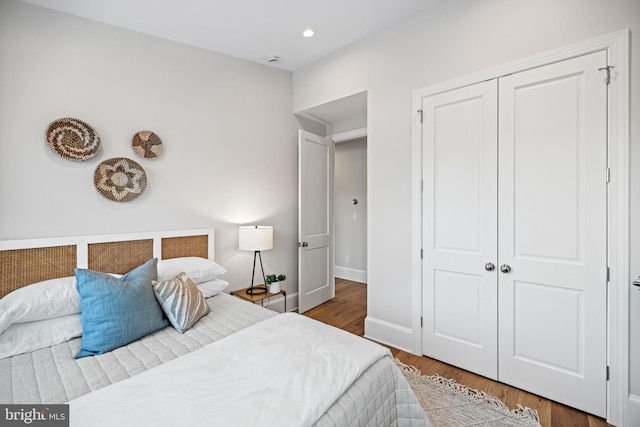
608 274
420 112
421 185
608 175
607 373
421 319
421 253
608 68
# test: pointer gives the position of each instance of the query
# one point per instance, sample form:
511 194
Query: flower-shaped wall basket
72 139
120 179
146 144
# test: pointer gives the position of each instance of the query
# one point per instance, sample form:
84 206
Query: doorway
350 210
513 178
617 277
344 121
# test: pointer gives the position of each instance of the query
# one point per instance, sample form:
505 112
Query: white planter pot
274 288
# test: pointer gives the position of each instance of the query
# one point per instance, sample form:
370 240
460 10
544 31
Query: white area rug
450 404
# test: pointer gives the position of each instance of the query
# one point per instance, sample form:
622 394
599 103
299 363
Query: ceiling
254 30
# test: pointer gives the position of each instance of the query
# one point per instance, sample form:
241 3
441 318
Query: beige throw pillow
181 300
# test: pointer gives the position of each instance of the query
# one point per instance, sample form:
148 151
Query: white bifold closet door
460 307
515 230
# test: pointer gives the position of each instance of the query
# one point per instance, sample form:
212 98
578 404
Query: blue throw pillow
115 312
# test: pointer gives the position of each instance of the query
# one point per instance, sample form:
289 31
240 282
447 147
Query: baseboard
350 274
633 410
387 333
277 303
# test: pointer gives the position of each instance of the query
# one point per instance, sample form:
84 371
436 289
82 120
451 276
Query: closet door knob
505 268
489 266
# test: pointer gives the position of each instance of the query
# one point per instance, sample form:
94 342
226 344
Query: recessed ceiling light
308 33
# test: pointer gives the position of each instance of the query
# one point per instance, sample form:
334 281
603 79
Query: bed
238 364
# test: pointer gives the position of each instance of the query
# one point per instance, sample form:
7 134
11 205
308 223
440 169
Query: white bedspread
285 371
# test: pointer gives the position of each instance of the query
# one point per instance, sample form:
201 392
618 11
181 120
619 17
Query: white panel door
552 231
459 227
316 282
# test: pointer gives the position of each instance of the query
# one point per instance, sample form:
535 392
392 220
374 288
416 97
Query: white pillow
31 336
197 269
40 301
212 287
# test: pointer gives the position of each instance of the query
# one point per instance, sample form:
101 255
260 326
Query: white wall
226 124
452 39
357 120
351 219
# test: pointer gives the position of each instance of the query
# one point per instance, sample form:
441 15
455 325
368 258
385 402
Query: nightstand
242 293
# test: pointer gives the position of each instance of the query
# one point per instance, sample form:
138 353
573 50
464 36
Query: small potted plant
274 282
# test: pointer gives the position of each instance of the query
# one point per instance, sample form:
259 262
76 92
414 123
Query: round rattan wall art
72 139
120 179
146 144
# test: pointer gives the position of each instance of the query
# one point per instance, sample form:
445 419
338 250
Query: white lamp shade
255 238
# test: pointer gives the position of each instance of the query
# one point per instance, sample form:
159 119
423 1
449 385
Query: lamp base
257 290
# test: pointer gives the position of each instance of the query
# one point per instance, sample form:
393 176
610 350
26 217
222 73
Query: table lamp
256 238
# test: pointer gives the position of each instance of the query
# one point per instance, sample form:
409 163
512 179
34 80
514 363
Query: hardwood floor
348 310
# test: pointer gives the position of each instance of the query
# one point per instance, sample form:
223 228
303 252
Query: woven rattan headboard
23 262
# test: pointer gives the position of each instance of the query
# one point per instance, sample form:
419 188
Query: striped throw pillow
181 301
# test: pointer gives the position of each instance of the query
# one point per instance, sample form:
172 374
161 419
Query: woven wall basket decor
120 179
72 139
146 144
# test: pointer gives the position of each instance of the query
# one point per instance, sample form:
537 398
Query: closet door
552 231
459 227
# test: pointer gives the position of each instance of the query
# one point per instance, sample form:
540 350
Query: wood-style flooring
348 310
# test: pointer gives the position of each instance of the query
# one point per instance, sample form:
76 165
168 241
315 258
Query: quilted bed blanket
379 396
285 371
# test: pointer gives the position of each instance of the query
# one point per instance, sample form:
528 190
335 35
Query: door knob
489 266
303 244
505 268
